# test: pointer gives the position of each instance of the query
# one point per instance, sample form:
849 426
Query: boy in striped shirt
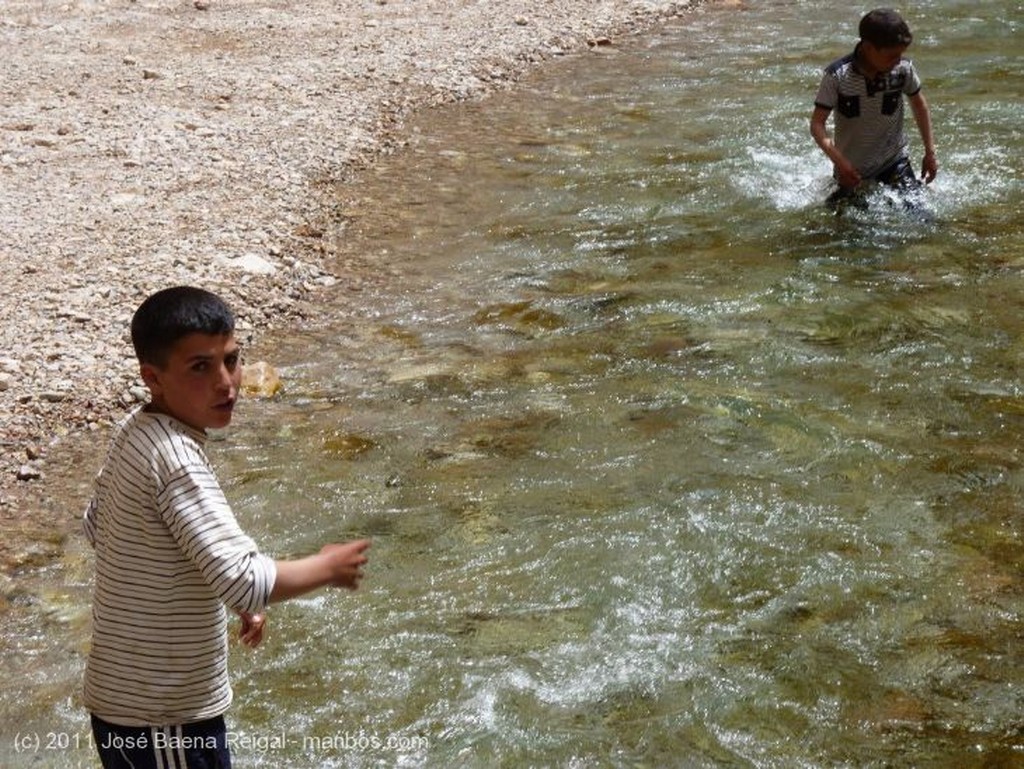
170 555
866 89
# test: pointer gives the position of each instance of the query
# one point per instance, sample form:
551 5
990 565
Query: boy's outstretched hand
336 565
347 560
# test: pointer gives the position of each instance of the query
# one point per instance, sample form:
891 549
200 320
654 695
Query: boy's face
882 58
199 385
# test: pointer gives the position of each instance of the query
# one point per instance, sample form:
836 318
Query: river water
664 464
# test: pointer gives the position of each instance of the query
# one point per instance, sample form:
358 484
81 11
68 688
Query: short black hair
885 28
172 314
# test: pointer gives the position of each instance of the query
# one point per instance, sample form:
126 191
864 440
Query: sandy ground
147 143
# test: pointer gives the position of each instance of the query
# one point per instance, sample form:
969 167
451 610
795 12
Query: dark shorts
899 175
199 745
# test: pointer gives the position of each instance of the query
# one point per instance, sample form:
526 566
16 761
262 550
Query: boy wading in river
170 554
866 90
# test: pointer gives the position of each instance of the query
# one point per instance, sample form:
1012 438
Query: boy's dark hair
174 313
884 28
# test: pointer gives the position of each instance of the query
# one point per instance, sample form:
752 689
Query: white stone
251 263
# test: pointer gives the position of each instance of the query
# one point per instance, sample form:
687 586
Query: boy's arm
923 118
199 518
846 174
251 631
336 565
89 523
201 521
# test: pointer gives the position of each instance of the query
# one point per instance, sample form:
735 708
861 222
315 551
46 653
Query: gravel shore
153 142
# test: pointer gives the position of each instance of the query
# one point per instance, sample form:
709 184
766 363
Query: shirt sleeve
912 84
202 523
827 92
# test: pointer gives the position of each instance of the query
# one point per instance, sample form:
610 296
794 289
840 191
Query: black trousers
199 745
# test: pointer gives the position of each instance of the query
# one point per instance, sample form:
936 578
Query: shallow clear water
664 464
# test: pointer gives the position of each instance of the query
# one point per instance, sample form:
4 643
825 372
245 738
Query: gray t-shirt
868 114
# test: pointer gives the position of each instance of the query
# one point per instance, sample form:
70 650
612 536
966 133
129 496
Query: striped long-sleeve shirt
169 556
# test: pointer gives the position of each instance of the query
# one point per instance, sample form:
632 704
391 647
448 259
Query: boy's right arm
846 174
336 565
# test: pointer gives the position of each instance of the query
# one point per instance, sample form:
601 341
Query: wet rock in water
519 315
891 710
508 436
398 334
453 454
8 587
419 372
260 380
347 446
517 632
478 522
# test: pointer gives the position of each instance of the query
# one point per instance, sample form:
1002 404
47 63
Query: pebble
29 473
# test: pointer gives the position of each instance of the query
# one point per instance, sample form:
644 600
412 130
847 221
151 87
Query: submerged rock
520 316
260 380
347 446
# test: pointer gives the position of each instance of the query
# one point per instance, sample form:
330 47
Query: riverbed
664 463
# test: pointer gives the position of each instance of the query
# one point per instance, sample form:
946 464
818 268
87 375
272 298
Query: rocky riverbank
151 142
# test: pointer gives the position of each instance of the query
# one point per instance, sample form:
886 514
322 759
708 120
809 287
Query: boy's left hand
251 632
929 168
